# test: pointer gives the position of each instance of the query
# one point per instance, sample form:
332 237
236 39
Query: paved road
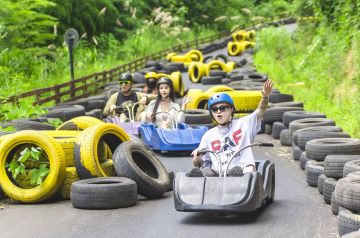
298 211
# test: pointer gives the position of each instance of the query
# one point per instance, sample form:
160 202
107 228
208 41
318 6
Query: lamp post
71 38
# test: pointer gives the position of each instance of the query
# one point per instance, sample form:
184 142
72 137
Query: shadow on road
203 218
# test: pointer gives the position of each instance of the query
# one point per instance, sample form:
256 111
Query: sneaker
195 172
236 172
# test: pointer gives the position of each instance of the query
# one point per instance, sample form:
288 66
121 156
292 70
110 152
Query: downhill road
298 210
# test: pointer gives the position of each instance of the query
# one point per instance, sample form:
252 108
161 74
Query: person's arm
110 103
263 104
185 101
144 98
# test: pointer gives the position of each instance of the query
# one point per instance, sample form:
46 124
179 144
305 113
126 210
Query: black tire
310 122
313 169
222 58
296 152
103 193
268 129
303 136
334 205
171 176
320 183
353 234
285 137
295 115
211 80
318 149
20 125
220 73
334 164
303 160
236 77
207 59
133 161
348 222
347 193
352 166
197 116
289 104
277 127
96 104
256 77
328 189
225 81
274 114
280 97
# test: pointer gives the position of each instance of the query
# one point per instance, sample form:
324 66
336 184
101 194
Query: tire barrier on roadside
133 161
274 114
23 124
87 161
79 123
56 160
237 48
328 189
351 166
313 169
191 56
310 122
103 193
318 149
320 183
290 116
334 164
303 160
348 222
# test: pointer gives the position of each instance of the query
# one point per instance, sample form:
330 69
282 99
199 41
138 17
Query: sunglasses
125 82
221 109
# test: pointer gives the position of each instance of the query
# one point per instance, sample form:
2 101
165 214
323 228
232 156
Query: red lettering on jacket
237 136
216 145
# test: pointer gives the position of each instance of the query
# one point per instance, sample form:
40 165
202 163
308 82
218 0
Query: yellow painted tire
180 58
230 66
70 177
199 101
53 180
234 48
62 134
193 94
196 71
217 64
169 55
219 89
108 168
178 83
250 35
195 56
245 101
239 36
86 149
79 123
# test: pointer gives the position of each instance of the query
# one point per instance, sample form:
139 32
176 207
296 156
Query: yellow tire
195 55
86 149
56 159
79 123
234 48
180 58
196 71
215 64
219 89
239 36
108 168
230 66
245 101
250 35
169 55
70 177
62 134
193 94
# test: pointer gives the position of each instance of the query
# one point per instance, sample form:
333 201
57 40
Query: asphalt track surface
298 210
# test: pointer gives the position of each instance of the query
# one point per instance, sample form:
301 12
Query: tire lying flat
103 193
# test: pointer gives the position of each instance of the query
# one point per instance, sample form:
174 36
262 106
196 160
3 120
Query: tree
25 24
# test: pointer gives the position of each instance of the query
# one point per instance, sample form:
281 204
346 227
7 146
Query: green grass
318 67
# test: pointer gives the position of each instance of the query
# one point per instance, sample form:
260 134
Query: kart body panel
182 138
226 194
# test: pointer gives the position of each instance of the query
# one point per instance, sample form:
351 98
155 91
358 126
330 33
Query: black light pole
71 38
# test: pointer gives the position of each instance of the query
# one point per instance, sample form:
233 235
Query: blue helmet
221 97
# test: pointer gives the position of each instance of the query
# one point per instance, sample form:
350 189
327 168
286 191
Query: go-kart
180 137
130 126
226 194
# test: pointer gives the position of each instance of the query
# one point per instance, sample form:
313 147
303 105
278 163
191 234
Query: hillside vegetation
320 63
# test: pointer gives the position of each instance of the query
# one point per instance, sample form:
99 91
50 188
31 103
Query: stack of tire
86 148
243 40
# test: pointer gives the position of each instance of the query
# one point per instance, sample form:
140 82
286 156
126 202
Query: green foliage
318 68
18 166
25 23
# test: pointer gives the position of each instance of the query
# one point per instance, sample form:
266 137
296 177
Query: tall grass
318 67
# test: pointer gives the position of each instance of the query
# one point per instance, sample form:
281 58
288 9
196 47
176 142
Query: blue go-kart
180 137
225 194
